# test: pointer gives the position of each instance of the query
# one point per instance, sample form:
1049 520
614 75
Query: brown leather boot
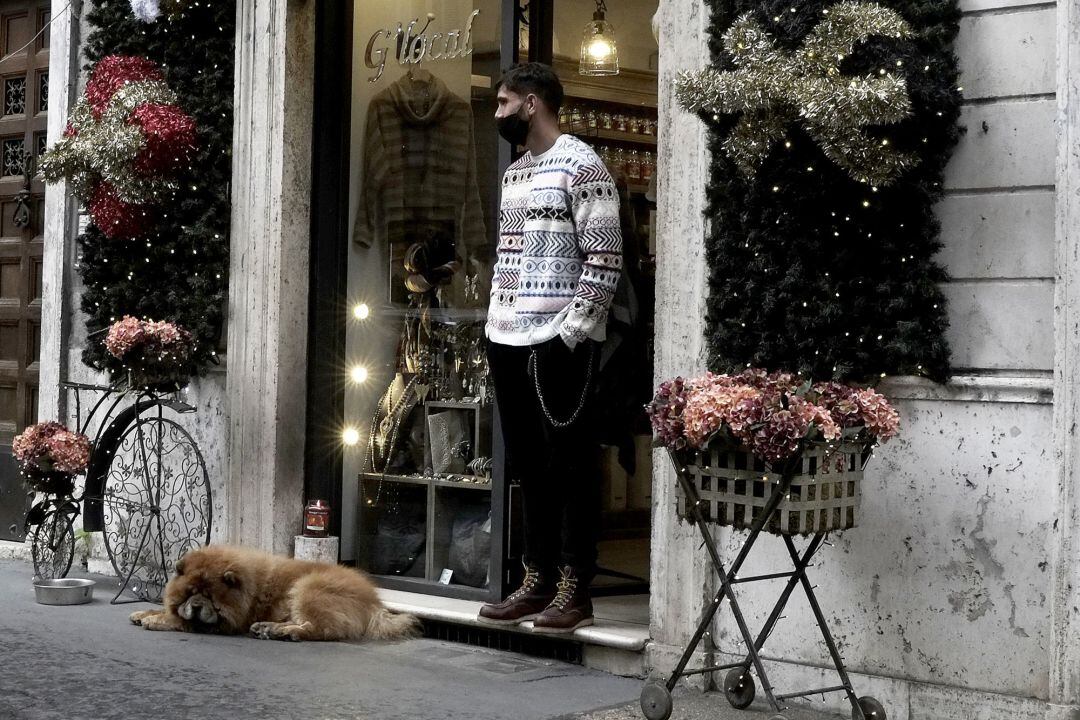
525 603
571 609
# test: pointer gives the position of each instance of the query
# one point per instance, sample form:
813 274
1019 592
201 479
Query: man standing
559 261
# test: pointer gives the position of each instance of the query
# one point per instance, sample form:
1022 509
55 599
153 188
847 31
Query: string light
350 436
358 374
361 311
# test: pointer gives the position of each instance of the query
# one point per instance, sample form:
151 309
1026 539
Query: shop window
424 198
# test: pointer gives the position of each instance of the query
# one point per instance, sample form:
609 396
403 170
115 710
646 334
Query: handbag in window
451 442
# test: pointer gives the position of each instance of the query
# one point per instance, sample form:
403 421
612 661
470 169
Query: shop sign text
415 49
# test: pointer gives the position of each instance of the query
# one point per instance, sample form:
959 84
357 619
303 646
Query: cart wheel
656 701
739 688
872 709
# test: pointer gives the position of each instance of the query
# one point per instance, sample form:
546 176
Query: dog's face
208 593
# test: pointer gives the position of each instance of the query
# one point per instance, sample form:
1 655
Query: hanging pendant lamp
599 55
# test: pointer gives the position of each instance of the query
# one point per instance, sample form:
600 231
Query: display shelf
620 136
471 482
431 509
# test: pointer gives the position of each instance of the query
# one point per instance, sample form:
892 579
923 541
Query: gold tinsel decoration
106 149
774 88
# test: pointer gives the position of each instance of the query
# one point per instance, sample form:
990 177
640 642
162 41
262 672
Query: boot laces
565 590
528 584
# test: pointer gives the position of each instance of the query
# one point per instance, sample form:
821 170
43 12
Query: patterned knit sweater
560 248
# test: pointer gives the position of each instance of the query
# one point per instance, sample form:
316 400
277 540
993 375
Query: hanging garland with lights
174 156
831 124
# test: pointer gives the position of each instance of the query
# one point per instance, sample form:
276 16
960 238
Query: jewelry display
384 432
481 467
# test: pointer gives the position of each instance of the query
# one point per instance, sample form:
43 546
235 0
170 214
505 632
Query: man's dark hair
536 78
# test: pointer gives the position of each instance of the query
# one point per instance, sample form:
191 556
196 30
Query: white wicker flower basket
823 495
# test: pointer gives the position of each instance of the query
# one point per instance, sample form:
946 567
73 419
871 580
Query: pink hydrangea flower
819 416
780 437
839 400
32 443
746 414
666 413
51 446
880 417
141 341
124 335
69 451
708 407
763 411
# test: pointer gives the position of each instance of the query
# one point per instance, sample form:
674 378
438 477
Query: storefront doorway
402 438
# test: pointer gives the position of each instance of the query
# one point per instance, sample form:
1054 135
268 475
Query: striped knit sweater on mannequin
560 248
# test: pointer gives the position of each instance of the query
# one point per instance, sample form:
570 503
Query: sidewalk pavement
693 705
87 662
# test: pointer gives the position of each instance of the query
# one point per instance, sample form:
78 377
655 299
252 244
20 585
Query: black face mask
513 128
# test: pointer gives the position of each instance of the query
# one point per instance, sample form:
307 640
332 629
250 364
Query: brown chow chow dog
231 590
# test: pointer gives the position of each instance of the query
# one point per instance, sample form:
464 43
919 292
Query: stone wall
945 600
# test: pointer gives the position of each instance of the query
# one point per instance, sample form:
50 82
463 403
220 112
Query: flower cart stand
811 487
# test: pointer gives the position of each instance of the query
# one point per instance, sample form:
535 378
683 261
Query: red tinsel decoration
170 139
112 73
115 217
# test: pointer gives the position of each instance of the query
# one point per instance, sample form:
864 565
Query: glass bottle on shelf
648 166
606 121
594 120
618 162
620 123
633 166
649 127
634 125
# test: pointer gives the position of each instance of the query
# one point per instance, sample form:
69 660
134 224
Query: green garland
823 182
179 272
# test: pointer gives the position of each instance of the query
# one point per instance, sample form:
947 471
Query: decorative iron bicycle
147 490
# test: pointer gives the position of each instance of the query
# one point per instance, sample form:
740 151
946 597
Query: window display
424 200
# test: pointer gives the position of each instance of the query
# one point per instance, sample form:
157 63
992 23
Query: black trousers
557 467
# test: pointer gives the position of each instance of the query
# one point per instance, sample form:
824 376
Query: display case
422 489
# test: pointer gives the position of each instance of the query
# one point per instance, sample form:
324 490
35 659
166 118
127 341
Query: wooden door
24 104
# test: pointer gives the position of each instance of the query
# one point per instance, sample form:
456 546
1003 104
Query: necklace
390 426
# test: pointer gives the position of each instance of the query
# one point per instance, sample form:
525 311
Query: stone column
61 217
268 272
682 580
1065 599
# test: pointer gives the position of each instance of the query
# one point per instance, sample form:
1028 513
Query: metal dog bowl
64 591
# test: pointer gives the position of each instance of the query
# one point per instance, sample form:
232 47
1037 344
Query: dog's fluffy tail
386 625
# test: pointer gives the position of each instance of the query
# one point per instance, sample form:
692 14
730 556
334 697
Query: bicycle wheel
155 502
52 546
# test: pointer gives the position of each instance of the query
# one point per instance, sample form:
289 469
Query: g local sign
415 49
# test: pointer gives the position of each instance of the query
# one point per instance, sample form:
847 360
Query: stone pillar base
317 549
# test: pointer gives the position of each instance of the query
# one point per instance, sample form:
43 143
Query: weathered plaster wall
943 600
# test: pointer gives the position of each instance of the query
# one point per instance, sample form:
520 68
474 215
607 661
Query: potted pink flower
50 455
155 354
744 426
